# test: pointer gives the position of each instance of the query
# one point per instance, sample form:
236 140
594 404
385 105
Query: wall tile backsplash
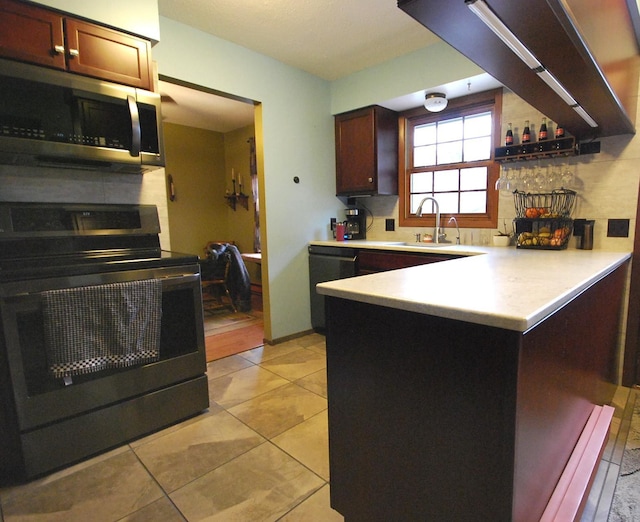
39 184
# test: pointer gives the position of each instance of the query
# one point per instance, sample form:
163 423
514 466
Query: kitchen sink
428 245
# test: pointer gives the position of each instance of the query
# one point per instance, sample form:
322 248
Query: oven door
40 399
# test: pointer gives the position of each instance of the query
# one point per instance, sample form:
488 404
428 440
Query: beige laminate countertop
503 287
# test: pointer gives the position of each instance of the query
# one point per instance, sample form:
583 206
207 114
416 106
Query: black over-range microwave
59 119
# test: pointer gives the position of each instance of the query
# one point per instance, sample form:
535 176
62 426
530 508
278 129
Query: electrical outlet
390 224
618 228
590 147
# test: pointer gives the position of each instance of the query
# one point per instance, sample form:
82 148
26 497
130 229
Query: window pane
448 203
422 182
450 130
415 202
445 180
449 152
424 156
477 125
477 149
424 135
473 202
474 178
455 151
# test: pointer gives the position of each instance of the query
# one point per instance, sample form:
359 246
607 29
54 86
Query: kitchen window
449 156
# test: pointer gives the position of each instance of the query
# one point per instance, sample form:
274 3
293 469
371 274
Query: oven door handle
184 277
180 279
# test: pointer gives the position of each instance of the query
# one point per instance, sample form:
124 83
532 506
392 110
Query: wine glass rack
537 150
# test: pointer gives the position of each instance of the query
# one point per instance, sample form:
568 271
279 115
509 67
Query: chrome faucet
437 236
453 218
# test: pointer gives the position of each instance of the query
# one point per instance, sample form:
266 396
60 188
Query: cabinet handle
370 180
74 53
58 49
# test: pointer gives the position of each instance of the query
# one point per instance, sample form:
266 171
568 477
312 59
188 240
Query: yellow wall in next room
195 160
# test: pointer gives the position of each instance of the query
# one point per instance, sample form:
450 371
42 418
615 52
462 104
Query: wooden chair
214 275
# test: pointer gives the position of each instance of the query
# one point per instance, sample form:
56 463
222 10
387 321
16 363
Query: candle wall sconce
237 197
171 188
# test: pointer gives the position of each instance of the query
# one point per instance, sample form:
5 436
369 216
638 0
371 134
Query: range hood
591 49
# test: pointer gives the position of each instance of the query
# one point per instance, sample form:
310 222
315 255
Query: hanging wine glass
503 183
567 175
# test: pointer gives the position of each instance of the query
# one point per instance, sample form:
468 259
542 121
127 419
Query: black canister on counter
587 235
583 228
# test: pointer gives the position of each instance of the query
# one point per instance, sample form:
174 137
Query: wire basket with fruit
550 205
545 234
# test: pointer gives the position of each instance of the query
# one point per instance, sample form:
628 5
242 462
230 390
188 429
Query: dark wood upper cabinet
607 91
108 54
367 152
32 34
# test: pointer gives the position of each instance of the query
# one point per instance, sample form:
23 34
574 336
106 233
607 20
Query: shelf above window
537 150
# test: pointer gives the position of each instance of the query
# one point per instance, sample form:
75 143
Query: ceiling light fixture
489 18
435 101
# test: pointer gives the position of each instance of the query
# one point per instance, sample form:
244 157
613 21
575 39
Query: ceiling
183 105
327 38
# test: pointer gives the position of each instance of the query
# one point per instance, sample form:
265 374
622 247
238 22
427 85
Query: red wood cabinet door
107 54
370 261
30 34
356 153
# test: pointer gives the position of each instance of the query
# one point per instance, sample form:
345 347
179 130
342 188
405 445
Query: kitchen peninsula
458 390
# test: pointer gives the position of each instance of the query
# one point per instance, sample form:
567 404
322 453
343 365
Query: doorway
211 176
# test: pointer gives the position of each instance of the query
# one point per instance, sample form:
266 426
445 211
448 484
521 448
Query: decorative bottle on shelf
526 133
526 138
559 134
542 134
508 139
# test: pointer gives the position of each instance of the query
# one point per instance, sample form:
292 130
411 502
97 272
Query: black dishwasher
327 263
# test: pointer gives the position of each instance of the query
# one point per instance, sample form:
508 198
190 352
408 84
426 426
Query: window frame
464 106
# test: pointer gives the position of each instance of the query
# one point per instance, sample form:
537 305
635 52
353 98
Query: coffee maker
355 224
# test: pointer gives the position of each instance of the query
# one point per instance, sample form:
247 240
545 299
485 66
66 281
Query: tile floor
259 453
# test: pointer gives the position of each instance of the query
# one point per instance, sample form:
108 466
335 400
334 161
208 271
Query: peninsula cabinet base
438 419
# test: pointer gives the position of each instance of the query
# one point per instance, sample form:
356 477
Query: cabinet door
367 152
356 153
107 54
31 34
372 261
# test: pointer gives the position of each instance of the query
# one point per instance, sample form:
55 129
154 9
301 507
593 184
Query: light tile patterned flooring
259 453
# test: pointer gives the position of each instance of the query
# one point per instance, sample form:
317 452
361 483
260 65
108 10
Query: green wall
437 64
294 137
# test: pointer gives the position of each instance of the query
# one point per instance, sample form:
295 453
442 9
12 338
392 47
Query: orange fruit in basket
531 212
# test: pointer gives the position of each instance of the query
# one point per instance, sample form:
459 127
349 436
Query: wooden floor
235 341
